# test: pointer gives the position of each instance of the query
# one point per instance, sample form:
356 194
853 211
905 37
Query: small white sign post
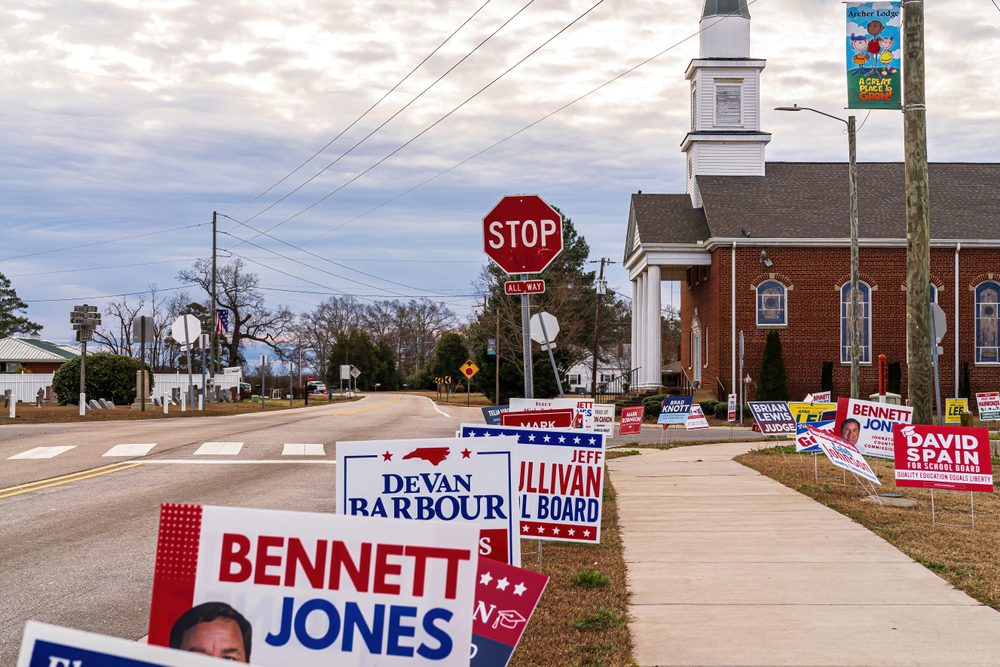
185 330
548 325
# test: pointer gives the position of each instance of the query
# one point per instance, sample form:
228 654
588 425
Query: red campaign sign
514 287
631 421
954 458
538 418
506 596
522 234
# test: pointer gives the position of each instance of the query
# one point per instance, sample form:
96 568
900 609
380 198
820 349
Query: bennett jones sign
522 234
943 457
773 417
561 481
869 425
447 479
316 589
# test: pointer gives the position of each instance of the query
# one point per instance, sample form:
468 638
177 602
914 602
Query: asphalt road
78 529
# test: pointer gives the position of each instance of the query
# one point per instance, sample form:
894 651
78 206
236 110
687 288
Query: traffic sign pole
190 351
552 359
529 384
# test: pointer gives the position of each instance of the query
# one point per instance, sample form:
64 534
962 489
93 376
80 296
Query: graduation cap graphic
509 618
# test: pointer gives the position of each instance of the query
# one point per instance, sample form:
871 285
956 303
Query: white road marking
130 450
437 409
328 462
42 452
219 448
303 449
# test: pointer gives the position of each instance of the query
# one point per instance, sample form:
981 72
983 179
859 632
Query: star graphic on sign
473 434
466 453
525 528
519 589
586 533
541 529
546 439
562 439
387 456
485 579
502 584
531 437
592 441
576 441
555 531
571 532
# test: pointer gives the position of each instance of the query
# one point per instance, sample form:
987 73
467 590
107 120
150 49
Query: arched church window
772 305
864 306
988 323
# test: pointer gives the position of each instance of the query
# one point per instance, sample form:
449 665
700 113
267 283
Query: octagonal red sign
522 234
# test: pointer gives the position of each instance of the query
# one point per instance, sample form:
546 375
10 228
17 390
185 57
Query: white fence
24 386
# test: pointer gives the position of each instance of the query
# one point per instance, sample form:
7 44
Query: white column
635 324
653 325
640 348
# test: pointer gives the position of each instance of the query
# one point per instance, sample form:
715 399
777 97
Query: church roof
726 8
809 200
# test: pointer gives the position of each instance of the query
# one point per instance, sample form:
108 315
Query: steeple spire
726 8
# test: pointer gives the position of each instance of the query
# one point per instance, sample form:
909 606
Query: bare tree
317 330
115 334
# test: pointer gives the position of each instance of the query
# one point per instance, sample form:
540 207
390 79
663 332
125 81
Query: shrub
109 376
773 385
708 407
653 404
722 410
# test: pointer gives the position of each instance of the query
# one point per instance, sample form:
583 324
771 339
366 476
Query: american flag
221 321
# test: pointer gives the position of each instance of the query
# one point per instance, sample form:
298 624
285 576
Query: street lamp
852 142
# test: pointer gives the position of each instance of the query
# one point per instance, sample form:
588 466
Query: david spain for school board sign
313 590
445 479
943 457
561 481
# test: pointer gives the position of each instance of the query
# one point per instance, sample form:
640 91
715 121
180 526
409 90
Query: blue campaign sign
804 440
492 413
773 417
52 646
675 410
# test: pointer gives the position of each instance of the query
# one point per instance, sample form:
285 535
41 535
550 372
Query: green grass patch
590 579
602 619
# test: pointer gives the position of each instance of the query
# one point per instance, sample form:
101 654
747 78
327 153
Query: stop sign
522 234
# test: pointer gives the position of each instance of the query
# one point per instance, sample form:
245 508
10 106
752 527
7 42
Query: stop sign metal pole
529 380
190 351
552 359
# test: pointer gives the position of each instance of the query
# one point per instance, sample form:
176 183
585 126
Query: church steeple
726 8
725 29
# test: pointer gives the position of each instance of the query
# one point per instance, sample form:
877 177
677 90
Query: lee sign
868 425
316 589
561 481
447 479
943 457
522 234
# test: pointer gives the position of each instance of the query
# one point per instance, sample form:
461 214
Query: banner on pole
455 480
561 481
674 411
304 589
631 420
696 419
773 417
874 55
954 409
988 404
804 442
943 457
868 425
843 454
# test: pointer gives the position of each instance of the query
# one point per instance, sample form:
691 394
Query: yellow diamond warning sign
469 368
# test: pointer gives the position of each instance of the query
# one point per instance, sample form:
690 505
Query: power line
388 120
439 120
404 296
103 268
109 296
995 4
93 243
368 110
518 132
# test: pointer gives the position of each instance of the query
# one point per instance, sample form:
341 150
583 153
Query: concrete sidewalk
728 567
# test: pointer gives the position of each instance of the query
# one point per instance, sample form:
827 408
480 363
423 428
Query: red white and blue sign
506 597
456 480
843 454
313 590
805 443
773 417
674 411
46 645
561 481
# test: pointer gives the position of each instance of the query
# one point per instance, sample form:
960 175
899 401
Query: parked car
316 387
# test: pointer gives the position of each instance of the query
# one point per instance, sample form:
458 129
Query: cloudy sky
128 117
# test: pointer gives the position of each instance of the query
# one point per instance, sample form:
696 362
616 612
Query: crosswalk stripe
303 449
42 452
136 449
219 448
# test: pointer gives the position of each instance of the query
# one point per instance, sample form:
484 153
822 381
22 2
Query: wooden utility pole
215 303
918 232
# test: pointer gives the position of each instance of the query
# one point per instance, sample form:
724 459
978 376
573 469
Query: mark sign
469 368
522 234
515 287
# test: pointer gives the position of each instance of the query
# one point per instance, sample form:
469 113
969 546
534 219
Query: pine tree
773 385
11 322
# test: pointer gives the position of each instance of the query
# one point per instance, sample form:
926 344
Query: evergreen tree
12 320
449 355
773 384
377 363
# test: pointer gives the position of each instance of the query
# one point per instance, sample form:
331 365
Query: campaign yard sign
843 454
506 597
675 410
954 409
561 481
585 412
804 441
731 409
820 397
456 480
806 412
988 404
46 645
696 419
943 457
630 422
491 413
538 418
313 590
773 417
868 425
604 419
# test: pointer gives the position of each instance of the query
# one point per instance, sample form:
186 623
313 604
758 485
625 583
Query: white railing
24 386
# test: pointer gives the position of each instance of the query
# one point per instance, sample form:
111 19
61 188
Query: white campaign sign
696 419
843 454
587 415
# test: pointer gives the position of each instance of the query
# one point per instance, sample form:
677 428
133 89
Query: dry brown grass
966 558
455 398
56 414
583 623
